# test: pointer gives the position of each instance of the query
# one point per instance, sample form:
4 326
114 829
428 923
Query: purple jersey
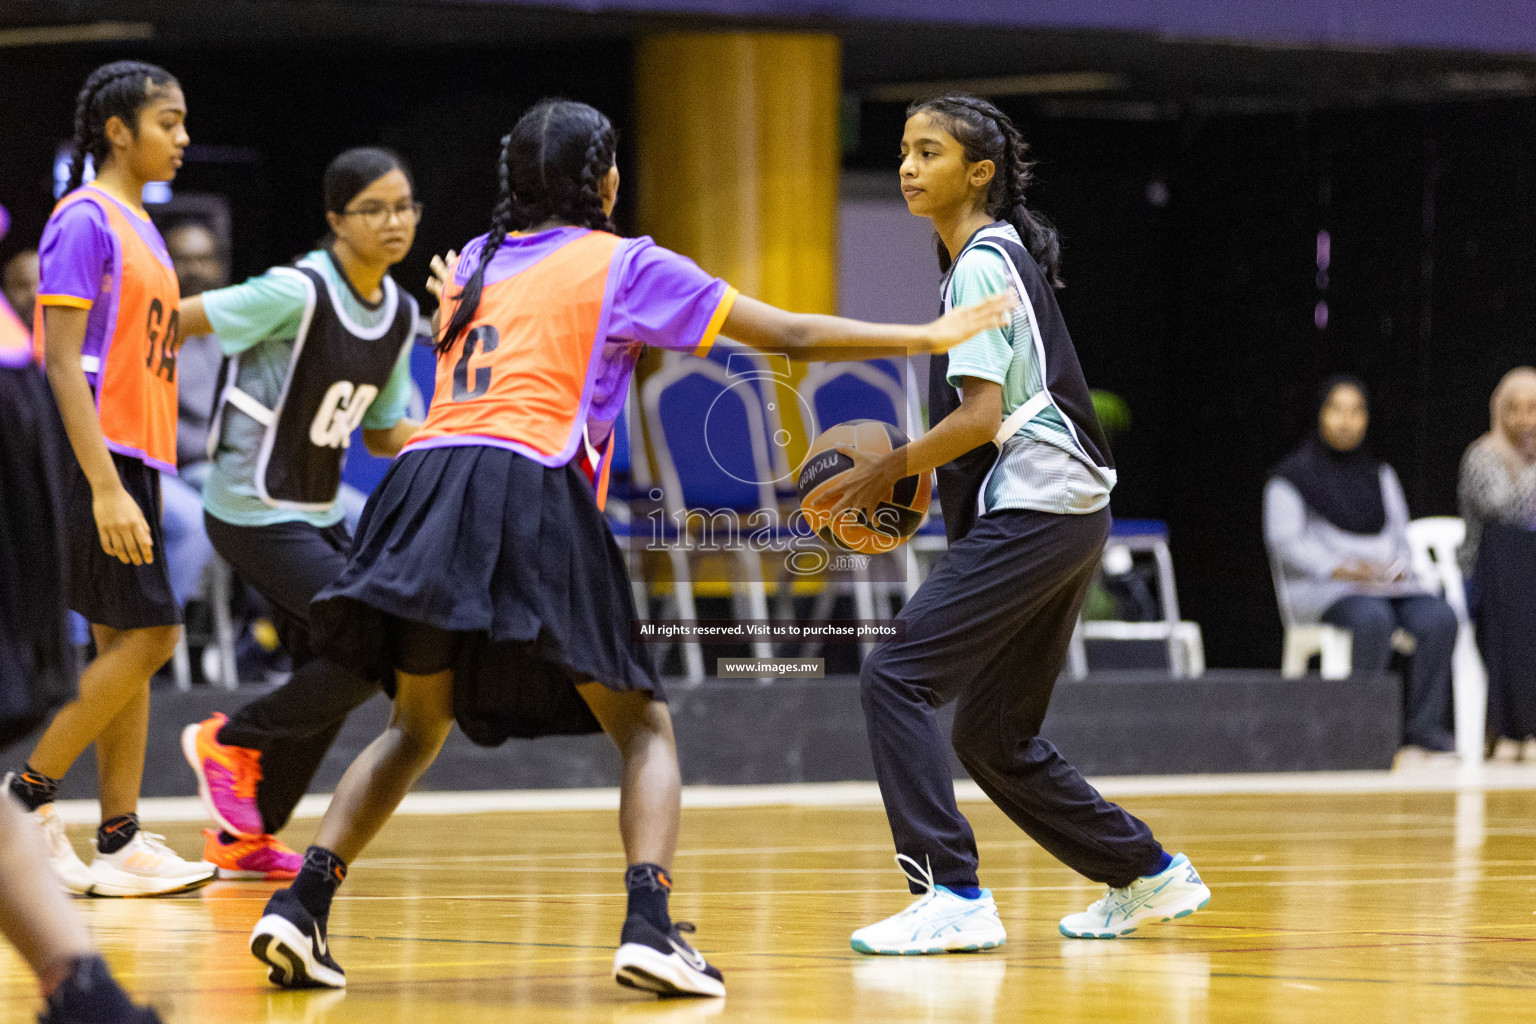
662 299
80 264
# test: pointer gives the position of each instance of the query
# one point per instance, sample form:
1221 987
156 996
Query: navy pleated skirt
513 556
37 671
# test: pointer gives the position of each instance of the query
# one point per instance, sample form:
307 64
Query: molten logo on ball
899 513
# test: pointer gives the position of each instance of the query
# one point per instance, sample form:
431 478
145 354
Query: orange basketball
898 515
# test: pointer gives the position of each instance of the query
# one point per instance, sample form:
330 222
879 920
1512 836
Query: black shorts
105 591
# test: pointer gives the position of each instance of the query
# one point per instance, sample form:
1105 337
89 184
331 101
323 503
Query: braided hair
551 164
986 133
120 89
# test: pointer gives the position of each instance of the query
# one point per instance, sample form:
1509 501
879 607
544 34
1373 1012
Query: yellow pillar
738 155
738 158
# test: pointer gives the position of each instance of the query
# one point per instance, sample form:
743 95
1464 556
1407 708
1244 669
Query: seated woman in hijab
1336 524
1498 502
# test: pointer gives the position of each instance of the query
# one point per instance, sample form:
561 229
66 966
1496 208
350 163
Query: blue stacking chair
721 478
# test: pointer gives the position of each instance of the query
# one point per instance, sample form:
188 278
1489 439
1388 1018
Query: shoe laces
921 874
1111 899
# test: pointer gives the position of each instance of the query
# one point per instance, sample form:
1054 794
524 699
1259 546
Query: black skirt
513 556
37 671
104 590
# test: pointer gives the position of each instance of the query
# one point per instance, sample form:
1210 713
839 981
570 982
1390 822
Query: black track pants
294 725
990 628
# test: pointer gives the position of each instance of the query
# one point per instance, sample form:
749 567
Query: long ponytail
986 133
551 166
120 89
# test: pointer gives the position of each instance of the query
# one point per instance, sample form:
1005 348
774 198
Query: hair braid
550 170
595 164
502 218
102 98
986 133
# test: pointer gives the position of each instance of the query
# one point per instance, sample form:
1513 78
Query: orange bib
134 372
521 376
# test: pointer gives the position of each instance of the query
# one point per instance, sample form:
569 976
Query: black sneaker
290 941
90 995
662 962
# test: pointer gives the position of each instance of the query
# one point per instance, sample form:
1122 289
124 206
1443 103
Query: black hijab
1342 487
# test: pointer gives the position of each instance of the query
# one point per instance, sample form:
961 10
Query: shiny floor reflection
1327 907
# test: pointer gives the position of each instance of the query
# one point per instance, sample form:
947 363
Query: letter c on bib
340 412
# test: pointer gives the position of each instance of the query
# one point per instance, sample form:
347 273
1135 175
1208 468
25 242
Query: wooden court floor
1327 908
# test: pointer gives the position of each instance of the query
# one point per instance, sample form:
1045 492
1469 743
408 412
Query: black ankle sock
319 878
90 993
115 833
649 888
33 788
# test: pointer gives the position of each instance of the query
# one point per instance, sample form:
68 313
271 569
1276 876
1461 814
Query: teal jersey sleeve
390 405
979 274
245 315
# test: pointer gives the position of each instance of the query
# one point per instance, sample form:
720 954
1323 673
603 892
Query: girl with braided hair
107 331
1024 477
485 585
36 676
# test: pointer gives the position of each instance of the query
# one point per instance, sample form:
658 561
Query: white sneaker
1176 891
67 866
147 867
938 922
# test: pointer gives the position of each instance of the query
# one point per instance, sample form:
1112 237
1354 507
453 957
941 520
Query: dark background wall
265 122
1190 246
1190 249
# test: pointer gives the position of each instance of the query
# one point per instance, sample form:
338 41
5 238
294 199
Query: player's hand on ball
121 526
966 322
866 485
442 273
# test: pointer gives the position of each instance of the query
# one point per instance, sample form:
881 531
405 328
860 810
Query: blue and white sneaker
1174 892
938 922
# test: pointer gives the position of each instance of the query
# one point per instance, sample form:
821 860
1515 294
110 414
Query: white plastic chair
1334 646
1433 542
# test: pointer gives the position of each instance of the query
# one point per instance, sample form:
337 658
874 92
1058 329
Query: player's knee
874 673
156 644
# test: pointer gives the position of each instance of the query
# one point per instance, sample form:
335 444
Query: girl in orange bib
106 329
484 579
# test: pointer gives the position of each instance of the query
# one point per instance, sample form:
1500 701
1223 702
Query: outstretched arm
194 319
809 336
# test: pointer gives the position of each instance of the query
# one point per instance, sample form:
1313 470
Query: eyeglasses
377 215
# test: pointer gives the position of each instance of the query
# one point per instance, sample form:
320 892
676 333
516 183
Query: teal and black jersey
1055 458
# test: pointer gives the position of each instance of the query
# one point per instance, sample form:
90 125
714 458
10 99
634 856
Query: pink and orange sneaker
226 778
264 857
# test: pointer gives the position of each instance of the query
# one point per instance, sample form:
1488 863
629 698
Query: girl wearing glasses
313 350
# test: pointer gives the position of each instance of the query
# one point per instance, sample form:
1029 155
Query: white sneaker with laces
147 867
1174 892
67 866
938 922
